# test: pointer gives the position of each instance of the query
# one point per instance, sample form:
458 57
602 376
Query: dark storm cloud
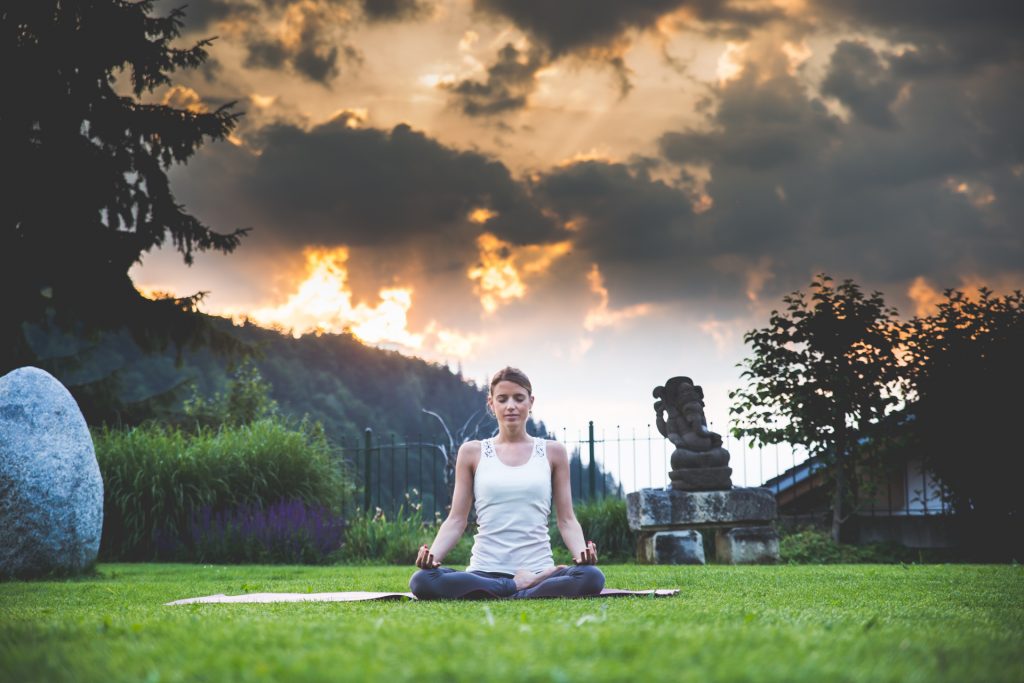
900 190
643 234
201 14
314 55
586 29
395 10
947 35
858 78
509 82
320 50
575 25
336 184
624 215
757 127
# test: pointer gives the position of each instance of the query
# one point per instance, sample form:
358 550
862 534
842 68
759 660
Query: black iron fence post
368 445
593 470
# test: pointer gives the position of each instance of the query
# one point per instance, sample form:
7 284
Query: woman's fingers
425 559
589 554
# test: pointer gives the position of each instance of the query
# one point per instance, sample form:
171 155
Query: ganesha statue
699 462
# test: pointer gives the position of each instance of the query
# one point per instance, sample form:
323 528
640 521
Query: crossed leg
445 583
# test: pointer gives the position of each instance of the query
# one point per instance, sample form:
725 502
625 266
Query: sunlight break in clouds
499 274
730 63
602 316
323 303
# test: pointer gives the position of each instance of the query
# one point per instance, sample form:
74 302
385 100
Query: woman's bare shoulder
555 449
470 451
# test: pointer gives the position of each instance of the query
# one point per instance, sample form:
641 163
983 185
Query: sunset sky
605 194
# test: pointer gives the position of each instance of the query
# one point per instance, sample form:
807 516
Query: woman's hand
425 559
588 556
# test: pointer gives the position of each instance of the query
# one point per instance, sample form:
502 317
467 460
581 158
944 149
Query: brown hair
510 374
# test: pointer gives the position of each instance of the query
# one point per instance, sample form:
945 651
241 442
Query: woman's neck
507 434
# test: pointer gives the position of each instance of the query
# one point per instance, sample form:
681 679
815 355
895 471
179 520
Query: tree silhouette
86 188
823 374
966 370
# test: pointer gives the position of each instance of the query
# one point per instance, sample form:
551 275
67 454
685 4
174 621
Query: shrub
605 523
156 479
378 539
810 546
246 400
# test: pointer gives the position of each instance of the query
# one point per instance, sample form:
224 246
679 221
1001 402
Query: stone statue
699 462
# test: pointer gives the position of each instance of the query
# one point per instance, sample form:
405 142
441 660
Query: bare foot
524 578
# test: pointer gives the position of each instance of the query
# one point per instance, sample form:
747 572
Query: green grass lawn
787 623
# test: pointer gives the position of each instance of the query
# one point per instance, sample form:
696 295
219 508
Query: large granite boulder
660 509
51 492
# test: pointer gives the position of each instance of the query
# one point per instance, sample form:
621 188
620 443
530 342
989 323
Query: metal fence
397 472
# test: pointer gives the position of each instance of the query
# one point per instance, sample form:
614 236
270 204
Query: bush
817 547
605 523
246 400
157 479
375 539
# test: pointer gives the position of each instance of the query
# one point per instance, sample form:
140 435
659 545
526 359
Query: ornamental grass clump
604 521
157 479
380 539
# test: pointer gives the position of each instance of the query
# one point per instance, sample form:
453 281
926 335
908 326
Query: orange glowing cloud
925 297
499 274
450 343
601 315
481 215
322 302
183 97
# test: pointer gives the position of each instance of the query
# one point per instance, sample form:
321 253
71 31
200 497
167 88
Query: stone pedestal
739 517
672 547
747 545
665 510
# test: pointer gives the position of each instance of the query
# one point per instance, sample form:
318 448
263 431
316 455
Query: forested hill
333 378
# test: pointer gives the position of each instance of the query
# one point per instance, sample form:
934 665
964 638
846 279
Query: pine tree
86 192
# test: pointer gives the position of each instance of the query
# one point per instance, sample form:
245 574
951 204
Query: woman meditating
513 478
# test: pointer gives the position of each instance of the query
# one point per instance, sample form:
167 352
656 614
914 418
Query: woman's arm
568 525
462 500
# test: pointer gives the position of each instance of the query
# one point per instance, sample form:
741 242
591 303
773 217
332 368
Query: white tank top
513 505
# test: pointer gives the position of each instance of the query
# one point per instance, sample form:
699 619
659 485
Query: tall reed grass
604 521
380 539
157 478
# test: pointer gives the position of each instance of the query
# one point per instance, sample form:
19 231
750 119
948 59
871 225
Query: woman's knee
591 579
423 584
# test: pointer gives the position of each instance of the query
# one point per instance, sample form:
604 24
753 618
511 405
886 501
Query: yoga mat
355 596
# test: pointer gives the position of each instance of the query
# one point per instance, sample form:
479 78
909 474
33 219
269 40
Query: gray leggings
444 583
